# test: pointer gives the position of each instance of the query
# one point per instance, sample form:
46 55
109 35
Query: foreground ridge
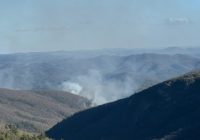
169 111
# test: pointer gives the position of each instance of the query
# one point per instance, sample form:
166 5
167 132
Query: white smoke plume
72 87
99 91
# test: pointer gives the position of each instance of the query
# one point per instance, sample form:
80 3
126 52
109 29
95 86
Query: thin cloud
178 21
43 29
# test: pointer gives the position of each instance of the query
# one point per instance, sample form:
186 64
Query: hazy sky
46 25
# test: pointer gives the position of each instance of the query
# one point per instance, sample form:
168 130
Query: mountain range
35 87
101 78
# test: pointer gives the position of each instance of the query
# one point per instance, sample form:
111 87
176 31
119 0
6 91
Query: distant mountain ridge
166 111
134 72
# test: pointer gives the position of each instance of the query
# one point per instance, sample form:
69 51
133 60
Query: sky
51 25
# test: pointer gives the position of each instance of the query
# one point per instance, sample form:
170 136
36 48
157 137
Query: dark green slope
167 111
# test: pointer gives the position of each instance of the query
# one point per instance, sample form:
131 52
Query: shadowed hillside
167 111
37 111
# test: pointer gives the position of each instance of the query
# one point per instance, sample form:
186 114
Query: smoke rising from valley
98 89
71 87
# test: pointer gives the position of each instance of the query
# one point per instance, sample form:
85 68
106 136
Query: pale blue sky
46 25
